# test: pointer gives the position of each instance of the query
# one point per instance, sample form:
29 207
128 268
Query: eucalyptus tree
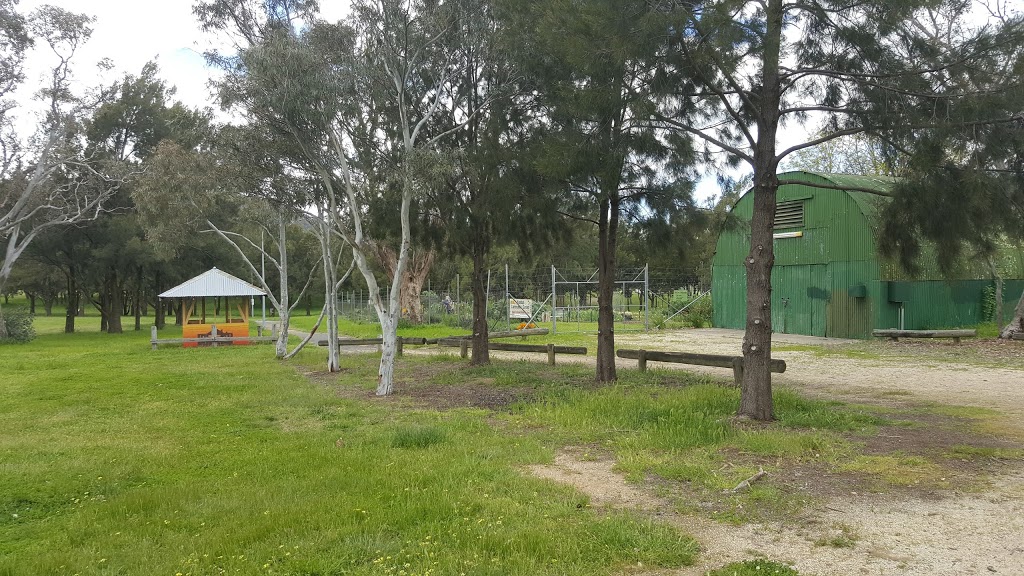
47 179
356 99
749 68
598 66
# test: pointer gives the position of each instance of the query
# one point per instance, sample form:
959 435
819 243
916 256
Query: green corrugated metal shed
828 278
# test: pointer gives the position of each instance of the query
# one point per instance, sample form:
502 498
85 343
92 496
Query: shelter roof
213 282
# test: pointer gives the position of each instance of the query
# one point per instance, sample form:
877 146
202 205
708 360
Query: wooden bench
895 335
717 360
212 341
550 349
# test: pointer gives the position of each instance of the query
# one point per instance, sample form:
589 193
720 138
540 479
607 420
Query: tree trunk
607 229
73 302
158 309
48 306
283 300
31 302
330 296
178 312
137 304
102 307
416 271
481 354
389 317
756 392
3 324
114 308
1016 325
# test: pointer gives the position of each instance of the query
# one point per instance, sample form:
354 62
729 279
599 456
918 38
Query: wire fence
561 299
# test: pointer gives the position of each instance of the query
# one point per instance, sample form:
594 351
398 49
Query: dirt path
963 533
967 534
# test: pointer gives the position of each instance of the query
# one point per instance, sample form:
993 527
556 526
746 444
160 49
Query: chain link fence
563 300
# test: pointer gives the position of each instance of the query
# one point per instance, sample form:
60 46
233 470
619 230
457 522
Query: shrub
417 437
19 326
988 303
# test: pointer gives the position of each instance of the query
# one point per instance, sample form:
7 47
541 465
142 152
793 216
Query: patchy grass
898 470
757 567
840 536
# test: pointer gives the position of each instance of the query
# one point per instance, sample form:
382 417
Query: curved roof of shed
870 204
857 186
213 282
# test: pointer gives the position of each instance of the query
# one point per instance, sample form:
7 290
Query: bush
698 315
988 303
19 326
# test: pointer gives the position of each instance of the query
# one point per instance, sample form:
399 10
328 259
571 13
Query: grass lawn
116 459
119 460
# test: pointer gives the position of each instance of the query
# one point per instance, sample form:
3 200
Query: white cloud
131 33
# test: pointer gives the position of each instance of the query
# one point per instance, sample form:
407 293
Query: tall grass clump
417 436
655 418
19 326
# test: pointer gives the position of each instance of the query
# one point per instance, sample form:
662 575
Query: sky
131 33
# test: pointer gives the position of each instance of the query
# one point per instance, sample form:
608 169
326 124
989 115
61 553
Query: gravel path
965 533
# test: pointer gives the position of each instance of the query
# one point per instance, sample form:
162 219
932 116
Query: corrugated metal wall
829 281
813 274
935 304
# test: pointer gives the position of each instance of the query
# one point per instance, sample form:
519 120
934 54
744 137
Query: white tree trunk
284 312
330 297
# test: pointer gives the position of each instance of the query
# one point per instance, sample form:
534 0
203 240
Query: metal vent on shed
789 214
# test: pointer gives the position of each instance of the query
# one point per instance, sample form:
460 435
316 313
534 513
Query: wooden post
213 334
464 349
641 360
737 370
399 353
956 339
152 333
551 354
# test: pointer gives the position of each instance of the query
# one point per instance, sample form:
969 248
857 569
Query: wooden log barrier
895 335
550 349
492 335
717 360
372 341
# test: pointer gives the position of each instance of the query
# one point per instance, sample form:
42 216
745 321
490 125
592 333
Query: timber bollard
152 332
399 352
641 360
464 349
737 370
213 334
551 354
